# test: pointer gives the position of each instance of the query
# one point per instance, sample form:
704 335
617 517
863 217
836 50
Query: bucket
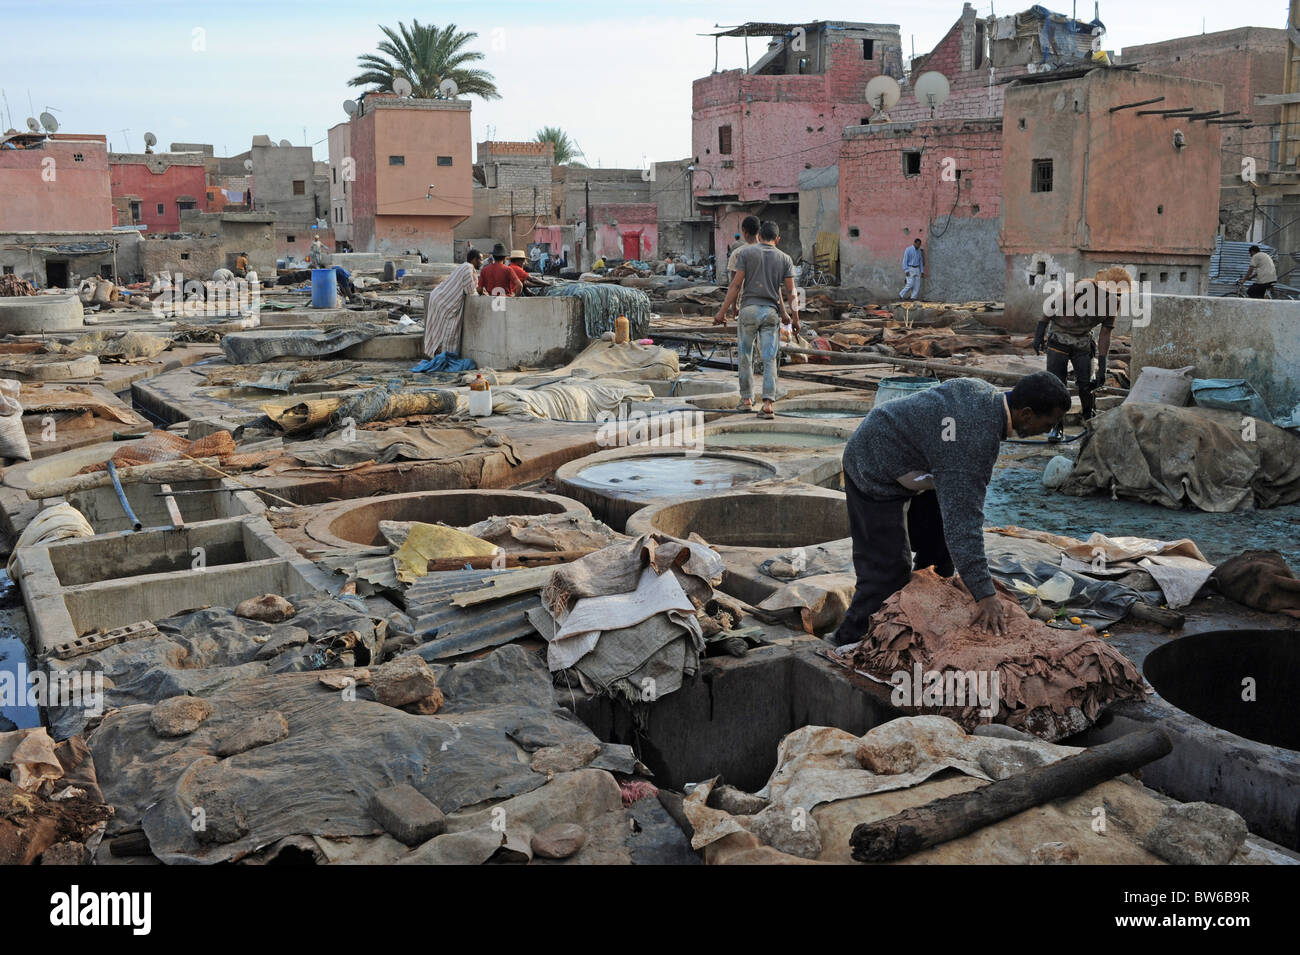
324 289
480 403
892 388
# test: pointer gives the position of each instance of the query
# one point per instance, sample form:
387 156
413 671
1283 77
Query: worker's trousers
890 538
1060 356
913 283
761 322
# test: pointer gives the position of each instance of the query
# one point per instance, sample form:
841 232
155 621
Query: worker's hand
795 324
720 318
990 616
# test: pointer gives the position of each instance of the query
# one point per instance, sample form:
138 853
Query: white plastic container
480 398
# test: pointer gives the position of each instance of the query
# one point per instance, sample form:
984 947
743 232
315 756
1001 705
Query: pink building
413 174
54 183
152 189
626 230
754 130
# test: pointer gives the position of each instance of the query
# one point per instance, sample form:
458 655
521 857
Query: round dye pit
745 519
349 524
670 475
58 466
847 407
739 432
1205 675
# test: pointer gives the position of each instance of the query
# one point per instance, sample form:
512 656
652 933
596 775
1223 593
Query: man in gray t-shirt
762 274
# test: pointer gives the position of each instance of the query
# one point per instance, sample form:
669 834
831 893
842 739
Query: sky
615 76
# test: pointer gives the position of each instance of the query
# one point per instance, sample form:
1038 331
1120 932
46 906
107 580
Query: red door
631 245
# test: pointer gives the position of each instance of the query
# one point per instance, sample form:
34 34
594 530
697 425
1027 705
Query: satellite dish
448 88
350 106
33 125
248 165
883 92
285 143
50 123
150 139
402 86
931 90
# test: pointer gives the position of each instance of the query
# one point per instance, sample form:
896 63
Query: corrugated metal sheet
1230 261
450 630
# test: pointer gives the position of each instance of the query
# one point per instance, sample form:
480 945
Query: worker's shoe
1054 436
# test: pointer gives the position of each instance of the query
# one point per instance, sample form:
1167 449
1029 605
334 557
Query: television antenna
932 89
402 87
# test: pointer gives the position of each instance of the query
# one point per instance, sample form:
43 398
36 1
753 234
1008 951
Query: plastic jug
622 330
480 398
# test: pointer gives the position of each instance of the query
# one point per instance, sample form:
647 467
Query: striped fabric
445 310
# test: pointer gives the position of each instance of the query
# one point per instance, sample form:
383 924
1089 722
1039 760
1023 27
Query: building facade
57 182
153 189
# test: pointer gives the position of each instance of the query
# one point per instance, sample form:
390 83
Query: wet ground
13 629
1017 496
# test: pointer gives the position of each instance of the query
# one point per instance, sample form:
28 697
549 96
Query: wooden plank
506 585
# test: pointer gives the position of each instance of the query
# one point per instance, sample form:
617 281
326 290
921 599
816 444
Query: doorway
56 274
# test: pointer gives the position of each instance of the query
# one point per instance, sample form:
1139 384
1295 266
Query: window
106 271
444 160
338 214
1041 180
1022 124
865 121
979 44
911 162
334 171
161 209
397 160
290 238
854 232
345 187
9 270
182 206
78 157
1182 276
299 187
1164 276
135 212
868 49
185 255
724 139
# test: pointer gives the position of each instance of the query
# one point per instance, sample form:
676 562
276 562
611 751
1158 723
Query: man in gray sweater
915 475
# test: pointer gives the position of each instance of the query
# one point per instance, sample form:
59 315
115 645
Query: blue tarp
445 361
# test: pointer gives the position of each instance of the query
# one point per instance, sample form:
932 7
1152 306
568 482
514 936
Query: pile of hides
158 446
573 399
276 376
1178 567
57 522
472 750
1170 456
251 348
11 285
603 304
623 619
50 801
1260 579
127 347
344 449
520 533
47 397
380 403
1050 683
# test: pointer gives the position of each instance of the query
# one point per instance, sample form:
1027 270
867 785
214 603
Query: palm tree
425 56
566 150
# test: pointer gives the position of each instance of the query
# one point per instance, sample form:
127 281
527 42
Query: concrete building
61 259
920 172
342 180
1090 182
512 194
153 189
211 241
682 233
413 173
55 182
1247 62
755 130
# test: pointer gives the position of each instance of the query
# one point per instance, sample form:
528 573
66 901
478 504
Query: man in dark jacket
915 474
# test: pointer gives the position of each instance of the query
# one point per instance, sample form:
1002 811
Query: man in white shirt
1263 271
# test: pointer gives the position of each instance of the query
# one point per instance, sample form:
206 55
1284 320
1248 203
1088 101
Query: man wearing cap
498 278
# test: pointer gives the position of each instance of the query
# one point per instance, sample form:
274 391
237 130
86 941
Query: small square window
1142 277
724 140
1041 180
854 232
865 121
9 270
78 157
397 160
912 162
444 160
1164 276
185 255
1182 276
161 209
290 238
1022 123
299 187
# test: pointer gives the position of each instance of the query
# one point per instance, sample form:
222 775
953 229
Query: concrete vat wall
502 332
1257 340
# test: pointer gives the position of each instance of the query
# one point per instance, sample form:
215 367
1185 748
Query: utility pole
590 252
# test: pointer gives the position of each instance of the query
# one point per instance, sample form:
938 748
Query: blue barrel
892 388
401 272
324 289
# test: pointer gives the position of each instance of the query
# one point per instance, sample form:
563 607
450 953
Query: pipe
121 497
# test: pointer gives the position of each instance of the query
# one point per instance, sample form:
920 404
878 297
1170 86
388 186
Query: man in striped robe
445 309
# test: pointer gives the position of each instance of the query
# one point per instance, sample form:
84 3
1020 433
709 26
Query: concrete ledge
1255 339
503 332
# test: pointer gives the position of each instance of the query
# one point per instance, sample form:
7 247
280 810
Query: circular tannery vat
617 482
837 407
349 524
40 313
749 432
749 519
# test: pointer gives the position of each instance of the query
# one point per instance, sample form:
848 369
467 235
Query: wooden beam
1276 99
1145 102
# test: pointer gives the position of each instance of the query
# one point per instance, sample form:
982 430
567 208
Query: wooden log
173 510
1169 619
961 814
164 472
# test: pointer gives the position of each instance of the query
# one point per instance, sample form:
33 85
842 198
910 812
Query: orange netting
158 446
